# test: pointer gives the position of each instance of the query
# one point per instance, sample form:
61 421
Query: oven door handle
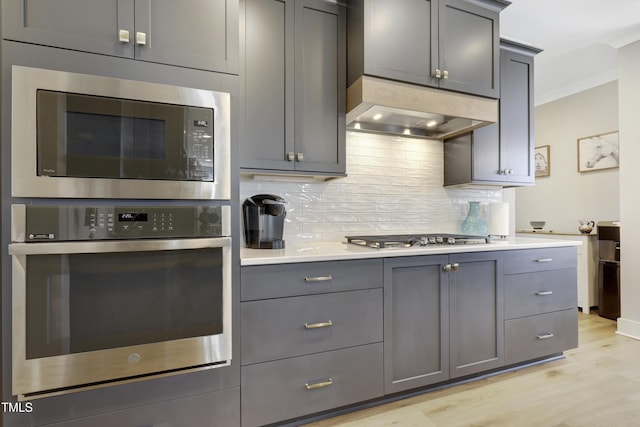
60 248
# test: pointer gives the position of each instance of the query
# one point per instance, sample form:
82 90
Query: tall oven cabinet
205 37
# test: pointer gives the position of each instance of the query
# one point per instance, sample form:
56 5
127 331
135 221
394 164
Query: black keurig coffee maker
263 221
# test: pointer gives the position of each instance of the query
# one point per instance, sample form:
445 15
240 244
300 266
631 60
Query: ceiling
580 39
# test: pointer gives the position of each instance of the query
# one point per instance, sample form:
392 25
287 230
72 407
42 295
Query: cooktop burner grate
409 240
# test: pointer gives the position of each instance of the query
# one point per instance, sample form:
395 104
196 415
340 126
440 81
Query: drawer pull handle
544 293
318 279
544 260
318 325
320 384
544 336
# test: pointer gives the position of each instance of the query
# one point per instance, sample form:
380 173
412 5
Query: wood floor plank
597 384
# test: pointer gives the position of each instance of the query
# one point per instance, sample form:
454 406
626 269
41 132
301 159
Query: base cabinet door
443 318
416 322
476 313
288 388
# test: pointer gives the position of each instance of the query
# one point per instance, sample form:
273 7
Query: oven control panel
71 223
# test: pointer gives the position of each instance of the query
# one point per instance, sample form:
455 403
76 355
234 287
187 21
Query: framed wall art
543 161
598 152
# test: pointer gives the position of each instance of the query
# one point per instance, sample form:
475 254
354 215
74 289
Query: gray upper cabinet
500 154
433 47
201 34
293 86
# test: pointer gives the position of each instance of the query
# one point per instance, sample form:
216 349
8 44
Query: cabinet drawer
531 337
289 388
284 280
285 327
532 260
529 294
217 409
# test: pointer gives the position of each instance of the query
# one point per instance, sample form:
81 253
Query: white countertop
558 233
334 251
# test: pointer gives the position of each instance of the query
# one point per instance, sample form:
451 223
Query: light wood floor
597 384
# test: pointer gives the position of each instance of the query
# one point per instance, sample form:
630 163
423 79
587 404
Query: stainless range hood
390 107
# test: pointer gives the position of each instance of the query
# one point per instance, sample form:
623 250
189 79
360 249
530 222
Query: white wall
394 185
629 88
567 195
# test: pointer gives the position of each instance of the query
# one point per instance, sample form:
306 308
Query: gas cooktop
409 240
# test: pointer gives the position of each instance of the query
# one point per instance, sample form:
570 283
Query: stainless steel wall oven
84 136
105 294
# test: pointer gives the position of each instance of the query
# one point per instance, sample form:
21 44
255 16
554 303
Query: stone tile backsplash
394 185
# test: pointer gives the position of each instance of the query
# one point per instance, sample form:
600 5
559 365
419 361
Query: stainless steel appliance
108 294
609 269
82 136
418 240
264 221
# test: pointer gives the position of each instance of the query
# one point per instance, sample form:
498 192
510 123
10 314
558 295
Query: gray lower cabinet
416 323
439 32
311 338
317 336
286 327
501 153
546 334
476 313
289 388
217 409
308 278
541 299
200 34
293 88
443 318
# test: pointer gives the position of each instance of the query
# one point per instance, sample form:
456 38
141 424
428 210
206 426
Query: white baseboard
628 328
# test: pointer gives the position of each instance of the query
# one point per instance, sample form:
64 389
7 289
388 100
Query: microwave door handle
60 248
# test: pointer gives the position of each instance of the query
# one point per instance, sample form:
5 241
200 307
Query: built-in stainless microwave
85 136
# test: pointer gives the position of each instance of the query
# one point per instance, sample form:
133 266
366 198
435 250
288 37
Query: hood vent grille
384 106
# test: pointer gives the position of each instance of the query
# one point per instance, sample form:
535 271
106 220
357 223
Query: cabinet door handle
445 74
544 336
291 156
318 278
141 38
437 74
325 383
448 268
299 157
544 260
543 293
318 325
123 36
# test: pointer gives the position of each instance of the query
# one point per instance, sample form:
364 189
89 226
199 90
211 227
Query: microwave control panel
199 143
73 223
